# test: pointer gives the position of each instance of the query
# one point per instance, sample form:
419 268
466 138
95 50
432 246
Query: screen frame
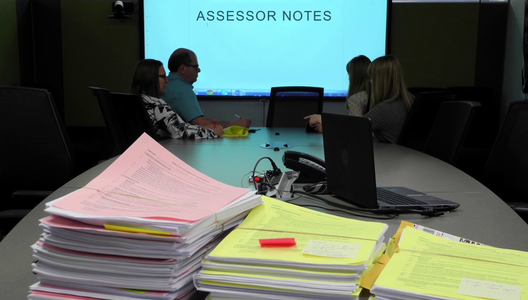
230 97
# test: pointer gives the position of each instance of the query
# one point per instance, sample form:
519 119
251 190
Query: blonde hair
357 75
388 83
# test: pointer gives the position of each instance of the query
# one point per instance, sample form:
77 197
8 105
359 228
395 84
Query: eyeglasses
194 66
164 76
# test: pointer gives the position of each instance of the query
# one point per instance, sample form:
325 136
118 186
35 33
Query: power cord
248 178
320 188
424 212
273 173
343 209
316 188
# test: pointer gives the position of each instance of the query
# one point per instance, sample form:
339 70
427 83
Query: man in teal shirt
179 94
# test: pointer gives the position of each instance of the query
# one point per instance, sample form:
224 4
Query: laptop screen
349 157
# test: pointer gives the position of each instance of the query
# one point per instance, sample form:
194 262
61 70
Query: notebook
350 171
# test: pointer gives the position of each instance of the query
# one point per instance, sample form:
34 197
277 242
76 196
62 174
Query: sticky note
281 242
489 289
136 291
332 249
135 229
373 274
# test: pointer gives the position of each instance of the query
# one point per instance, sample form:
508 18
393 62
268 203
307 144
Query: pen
237 116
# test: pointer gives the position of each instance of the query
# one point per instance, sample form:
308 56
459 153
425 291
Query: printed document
148 181
436 267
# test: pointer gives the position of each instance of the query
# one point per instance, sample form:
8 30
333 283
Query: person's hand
219 130
315 122
243 122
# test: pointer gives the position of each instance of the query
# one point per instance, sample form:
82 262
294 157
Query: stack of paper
328 259
138 230
425 266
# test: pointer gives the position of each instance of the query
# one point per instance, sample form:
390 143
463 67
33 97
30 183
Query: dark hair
146 78
357 75
180 56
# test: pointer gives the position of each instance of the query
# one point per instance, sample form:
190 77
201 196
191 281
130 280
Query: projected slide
245 47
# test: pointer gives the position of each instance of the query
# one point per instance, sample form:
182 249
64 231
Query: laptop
350 171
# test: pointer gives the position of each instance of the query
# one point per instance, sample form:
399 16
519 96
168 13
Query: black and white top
168 123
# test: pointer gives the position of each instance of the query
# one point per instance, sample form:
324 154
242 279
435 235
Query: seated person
358 87
179 94
149 82
390 101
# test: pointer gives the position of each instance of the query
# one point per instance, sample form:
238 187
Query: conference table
482 216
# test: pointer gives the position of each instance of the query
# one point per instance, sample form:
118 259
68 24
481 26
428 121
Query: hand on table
244 122
315 122
217 128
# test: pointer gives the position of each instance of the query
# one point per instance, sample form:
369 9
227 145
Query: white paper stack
137 231
330 256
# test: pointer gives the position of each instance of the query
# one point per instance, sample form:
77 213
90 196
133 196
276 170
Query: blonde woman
390 101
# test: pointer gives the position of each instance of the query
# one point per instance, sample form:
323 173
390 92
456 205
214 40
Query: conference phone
311 168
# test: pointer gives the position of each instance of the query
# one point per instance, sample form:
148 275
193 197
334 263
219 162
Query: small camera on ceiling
121 9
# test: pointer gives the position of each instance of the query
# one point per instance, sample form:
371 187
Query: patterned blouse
357 104
168 123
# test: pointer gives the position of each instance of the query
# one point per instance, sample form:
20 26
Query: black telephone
311 168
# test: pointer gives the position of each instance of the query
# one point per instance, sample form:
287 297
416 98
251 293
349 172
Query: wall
436 42
97 51
514 56
9 68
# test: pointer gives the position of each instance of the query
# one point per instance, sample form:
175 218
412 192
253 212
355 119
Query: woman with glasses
149 82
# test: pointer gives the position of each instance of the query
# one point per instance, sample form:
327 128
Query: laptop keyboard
392 198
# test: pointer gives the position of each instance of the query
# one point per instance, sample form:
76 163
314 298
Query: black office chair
417 90
125 116
483 130
288 105
36 155
449 130
506 170
485 126
421 118
111 120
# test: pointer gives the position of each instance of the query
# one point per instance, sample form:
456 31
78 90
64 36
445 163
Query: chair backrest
485 125
288 105
506 170
417 90
35 152
111 119
449 130
421 118
125 116
133 117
